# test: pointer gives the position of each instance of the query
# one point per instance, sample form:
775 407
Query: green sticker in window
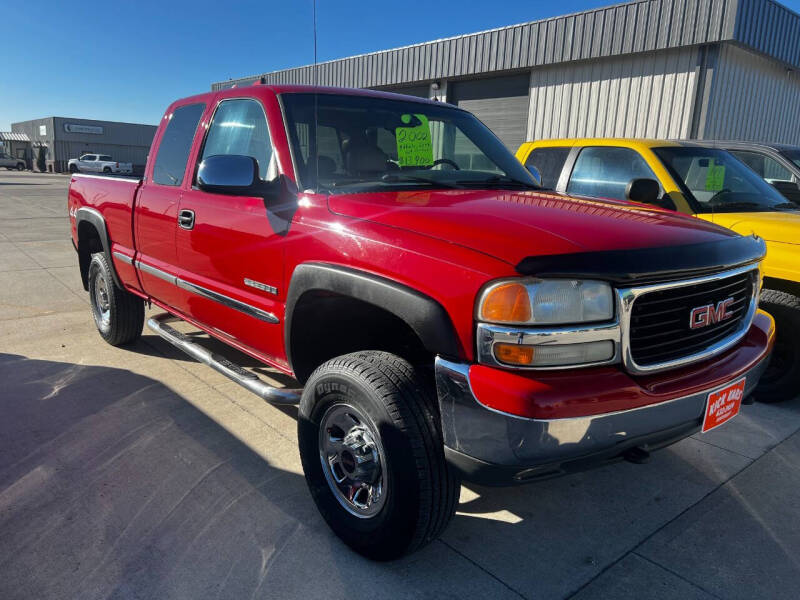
715 177
414 146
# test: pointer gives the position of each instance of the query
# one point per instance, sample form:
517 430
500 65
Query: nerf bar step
231 370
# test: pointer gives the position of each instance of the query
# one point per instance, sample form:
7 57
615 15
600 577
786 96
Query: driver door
230 248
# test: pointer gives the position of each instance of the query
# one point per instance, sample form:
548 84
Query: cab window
173 151
240 127
768 168
548 162
604 172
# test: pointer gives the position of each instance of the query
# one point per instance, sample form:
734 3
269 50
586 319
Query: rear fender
96 220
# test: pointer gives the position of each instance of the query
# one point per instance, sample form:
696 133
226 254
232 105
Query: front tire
20 166
373 455
781 380
118 314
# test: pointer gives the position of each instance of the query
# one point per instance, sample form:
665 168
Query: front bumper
593 416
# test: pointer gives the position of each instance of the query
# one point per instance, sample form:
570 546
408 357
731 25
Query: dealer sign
75 128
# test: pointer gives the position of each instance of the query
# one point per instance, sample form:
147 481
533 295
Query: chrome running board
247 379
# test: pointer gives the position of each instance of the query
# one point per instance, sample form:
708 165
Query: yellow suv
706 182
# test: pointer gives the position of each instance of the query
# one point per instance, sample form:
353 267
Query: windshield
714 181
362 143
793 154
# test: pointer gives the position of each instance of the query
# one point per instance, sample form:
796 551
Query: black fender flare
426 317
93 216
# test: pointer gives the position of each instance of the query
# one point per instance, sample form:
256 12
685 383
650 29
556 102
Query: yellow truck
708 183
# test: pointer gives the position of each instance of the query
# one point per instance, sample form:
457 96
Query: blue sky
127 61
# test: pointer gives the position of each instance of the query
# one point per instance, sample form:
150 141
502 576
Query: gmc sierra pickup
443 316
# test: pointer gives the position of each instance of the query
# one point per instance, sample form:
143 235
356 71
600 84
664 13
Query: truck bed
113 196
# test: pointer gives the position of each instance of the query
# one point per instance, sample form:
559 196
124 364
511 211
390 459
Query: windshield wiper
786 206
394 178
503 180
729 206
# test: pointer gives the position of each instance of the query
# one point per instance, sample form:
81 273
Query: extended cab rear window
548 162
173 151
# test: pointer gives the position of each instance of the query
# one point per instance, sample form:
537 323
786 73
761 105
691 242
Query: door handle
186 219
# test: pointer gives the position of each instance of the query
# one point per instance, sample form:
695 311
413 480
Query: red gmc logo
703 316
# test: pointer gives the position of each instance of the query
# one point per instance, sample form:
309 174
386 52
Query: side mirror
229 174
537 177
645 191
787 186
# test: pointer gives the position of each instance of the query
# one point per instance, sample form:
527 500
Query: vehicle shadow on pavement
114 486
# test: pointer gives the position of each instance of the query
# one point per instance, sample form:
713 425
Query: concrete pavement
137 473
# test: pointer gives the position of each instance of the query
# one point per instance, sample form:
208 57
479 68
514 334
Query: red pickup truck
444 317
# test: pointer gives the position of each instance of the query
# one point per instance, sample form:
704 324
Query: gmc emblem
703 316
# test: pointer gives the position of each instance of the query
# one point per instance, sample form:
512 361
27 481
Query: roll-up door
500 102
420 91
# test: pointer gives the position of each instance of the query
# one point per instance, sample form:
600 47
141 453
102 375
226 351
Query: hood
514 225
772 226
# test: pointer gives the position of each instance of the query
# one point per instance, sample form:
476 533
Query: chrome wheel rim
102 306
353 460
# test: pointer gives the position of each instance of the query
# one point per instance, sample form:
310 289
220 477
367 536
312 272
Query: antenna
312 142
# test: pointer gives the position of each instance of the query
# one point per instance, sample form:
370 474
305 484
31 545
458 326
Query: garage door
414 90
500 102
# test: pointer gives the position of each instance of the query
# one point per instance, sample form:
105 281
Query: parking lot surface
137 473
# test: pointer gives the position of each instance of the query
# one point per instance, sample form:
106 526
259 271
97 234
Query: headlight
546 302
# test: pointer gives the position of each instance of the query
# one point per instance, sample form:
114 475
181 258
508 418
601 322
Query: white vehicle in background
98 163
9 162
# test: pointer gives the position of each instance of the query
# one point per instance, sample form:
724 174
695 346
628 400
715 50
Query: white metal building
700 69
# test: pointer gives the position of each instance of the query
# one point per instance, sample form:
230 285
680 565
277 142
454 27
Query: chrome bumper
496 448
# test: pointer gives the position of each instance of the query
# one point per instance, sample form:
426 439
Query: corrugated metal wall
752 98
640 26
769 27
645 95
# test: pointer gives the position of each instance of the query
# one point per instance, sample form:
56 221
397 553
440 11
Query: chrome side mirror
229 174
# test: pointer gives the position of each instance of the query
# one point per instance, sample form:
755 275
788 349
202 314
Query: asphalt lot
137 473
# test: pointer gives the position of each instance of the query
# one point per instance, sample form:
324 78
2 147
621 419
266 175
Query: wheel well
325 325
782 285
89 242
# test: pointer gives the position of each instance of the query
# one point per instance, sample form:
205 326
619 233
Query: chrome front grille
657 319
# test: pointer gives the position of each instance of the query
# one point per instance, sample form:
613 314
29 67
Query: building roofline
633 27
82 119
436 41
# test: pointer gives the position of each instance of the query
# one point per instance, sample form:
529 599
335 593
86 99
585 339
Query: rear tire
781 380
118 314
106 169
20 166
399 493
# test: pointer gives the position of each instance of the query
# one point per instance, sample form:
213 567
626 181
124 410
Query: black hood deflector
649 265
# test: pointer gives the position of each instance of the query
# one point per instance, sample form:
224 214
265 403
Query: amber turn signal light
507 303
514 354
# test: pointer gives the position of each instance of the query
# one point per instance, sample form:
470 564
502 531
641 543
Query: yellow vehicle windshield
713 181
